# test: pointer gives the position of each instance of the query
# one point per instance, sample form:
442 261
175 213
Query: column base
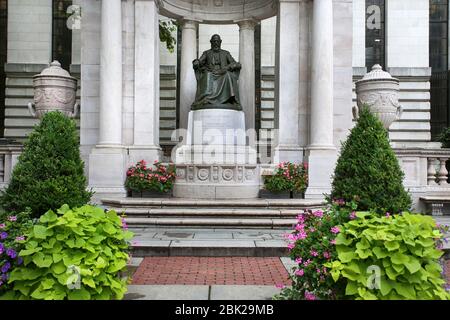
321 164
291 153
147 153
107 166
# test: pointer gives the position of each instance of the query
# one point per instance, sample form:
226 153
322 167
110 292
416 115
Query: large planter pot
378 90
266 194
150 194
54 90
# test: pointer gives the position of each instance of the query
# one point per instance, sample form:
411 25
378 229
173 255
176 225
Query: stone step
230 222
192 203
163 241
208 212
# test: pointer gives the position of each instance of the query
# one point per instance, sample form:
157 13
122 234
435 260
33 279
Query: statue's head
216 42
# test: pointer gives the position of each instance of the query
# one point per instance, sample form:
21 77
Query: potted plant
150 182
289 180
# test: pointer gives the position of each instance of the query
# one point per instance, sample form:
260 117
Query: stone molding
32 68
217 174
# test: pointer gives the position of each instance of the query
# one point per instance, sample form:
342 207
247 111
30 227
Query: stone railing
426 178
8 159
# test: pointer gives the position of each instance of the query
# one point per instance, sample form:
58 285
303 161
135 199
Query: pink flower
352 215
326 255
12 218
2 225
280 286
298 260
318 213
388 214
21 238
310 296
302 235
335 230
299 272
333 241
291 246
307 263
318 270
314 253
300 227
312 229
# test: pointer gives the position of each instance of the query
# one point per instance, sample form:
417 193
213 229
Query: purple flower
352 215
2 248
388 214
3 235
335 230
6 267
21 238
4 277
11 253
12 218
310 296
19 261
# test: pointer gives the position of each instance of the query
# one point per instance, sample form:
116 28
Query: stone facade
309 65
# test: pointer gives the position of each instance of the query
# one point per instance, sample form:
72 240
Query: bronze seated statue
217 76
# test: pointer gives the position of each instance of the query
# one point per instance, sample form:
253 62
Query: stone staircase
258 213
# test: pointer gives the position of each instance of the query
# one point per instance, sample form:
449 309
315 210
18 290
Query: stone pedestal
215 162
320 170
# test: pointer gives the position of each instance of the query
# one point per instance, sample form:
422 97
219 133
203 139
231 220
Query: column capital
188 24
248 24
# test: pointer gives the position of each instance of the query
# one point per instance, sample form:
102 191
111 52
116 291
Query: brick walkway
210 271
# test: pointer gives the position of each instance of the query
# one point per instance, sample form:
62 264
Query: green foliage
12 238
288 177
140 178
390 258
368 169
166 28
444 138
49 172
312 245
74 254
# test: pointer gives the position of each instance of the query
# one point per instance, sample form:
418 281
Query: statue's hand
196 64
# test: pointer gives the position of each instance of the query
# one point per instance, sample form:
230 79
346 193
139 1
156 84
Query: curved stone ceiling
218 11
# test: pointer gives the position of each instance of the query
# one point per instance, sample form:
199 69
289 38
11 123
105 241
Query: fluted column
322 75
110 130
321 151
288 82
247 77
188 82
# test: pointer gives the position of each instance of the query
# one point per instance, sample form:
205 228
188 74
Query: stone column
287 82
188 82
247 77
321 151
110 131
146 83
107 159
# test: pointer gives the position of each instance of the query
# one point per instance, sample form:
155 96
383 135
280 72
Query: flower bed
288 178
344 254
159 178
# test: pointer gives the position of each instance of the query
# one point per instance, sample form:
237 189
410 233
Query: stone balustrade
437 173
9 154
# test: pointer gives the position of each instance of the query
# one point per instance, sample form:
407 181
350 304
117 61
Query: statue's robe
216 91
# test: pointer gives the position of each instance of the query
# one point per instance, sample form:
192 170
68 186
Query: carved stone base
217 181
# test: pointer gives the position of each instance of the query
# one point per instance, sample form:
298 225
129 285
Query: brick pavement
211 271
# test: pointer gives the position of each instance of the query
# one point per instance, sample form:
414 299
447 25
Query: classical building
300 60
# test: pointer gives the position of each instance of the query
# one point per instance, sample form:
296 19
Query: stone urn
54 90
378 90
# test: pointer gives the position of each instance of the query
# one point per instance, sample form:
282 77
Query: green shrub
49 172
368 169
140 178
390 258
288 177
444 138
75 254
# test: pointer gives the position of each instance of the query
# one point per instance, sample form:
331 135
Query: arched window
3 46
375 33
439 66
61 35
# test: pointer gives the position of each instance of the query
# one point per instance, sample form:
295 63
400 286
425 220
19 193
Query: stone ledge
24 68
